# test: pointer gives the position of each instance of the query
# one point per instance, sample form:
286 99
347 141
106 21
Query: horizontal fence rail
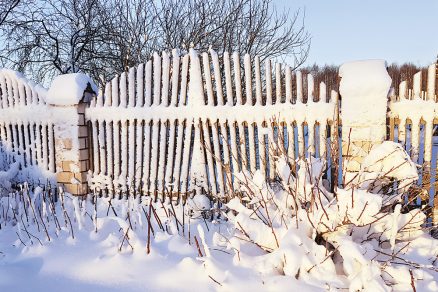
26 131
177 124
187 122
413 119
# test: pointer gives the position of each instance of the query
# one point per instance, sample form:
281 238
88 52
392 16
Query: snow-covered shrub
355 237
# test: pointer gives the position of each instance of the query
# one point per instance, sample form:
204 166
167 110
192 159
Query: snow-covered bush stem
356 231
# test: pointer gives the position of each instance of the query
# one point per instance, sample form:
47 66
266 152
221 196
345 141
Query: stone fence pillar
364 89
68 97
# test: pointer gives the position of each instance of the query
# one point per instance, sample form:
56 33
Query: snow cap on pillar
70 89
364 89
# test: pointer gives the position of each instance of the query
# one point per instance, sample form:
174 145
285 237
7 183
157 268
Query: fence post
435 196
364 89
195 101
68 97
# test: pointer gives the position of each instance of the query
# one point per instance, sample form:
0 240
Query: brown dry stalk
156 217
20 238
198 247
44 225
412 281
148 248
125 237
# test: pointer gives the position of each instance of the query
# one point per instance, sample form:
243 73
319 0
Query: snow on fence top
179 122
413 113
26 126
184 122
16 90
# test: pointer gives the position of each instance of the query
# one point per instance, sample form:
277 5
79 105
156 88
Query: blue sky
395 30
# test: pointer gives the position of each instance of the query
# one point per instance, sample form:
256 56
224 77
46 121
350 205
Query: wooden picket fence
413 120
181 123
184 123
26 131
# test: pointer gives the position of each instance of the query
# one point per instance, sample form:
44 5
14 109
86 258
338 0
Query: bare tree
6 8
245 26
54 37
132 35
103 38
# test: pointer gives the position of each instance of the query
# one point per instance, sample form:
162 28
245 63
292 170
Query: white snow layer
296 236
385 161
68 89
364 89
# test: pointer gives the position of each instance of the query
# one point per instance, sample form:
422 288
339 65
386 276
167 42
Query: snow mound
364 89
377 79
388 161
68 89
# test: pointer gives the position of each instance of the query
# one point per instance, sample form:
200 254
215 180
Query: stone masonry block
82 131
81 108
68 143
66 165
76 189
82 177
81 121
83 143
83 154
64 177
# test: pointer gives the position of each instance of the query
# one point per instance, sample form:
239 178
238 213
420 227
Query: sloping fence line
26 131
180 123
172 125
413 121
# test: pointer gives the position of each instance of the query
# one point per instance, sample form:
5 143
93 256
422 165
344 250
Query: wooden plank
278 93
131 155
299 81
28 145
157 80
288 85
258 80
252 146
148 99
268 76
44 146
431 80
102 148
154 156
226 157
237 78
217 78
146 155
115 91
166 78
51 141
123 90
209 153
131 87
139 100
124 151
185 157
162 155
170 157
184 74
116 136
207 78
138 154
175 77
217 157
248 79
311 148
179 152
228 80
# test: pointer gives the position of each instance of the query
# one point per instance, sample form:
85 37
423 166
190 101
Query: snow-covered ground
288 236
